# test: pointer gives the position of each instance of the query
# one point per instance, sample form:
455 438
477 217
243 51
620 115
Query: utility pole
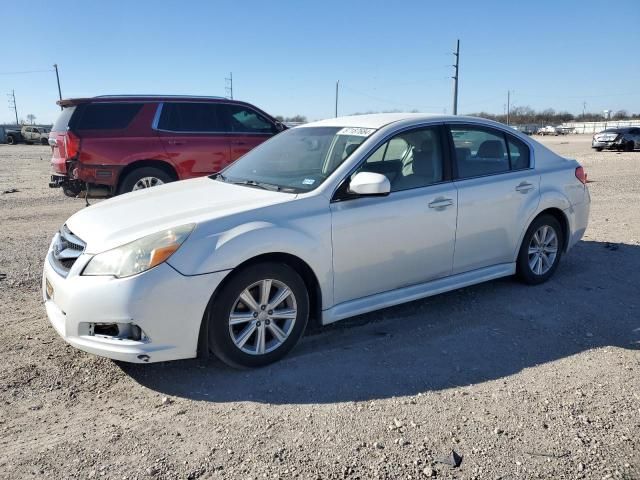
455 78
55 66
229 86
337 86
584 108
508 105
12 104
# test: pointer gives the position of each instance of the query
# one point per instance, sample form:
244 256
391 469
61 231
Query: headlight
139 255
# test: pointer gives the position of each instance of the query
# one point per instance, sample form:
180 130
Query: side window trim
447 159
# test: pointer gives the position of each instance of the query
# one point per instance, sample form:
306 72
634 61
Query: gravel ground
522 382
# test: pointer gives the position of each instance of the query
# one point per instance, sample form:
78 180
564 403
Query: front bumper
608 145
167 306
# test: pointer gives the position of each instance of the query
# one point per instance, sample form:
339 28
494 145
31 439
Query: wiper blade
262 185
218 176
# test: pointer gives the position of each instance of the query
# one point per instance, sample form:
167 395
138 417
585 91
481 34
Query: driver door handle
524 187
441 203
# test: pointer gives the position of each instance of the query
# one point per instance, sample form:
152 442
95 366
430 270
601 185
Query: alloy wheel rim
543 250
147 182
262 317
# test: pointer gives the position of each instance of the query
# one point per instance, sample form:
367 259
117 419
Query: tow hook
144 358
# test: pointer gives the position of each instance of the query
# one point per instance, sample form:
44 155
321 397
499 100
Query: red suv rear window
105 116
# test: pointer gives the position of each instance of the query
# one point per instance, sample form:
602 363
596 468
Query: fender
307 239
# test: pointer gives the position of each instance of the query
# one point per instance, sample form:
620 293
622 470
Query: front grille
65 251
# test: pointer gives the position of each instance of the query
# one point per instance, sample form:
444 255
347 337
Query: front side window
483 151
246 120
296 160
409 160
190 117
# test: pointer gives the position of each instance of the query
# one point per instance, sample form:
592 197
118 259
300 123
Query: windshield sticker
356 131
308 181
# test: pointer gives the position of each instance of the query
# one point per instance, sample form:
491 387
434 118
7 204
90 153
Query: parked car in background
28 135
117 144
548 130
324 221
627 139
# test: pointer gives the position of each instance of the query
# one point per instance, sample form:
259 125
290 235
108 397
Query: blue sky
287 55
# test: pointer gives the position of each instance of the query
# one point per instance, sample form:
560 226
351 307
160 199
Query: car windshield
296 160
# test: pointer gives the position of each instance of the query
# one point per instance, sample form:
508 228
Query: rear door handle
441 203
524 187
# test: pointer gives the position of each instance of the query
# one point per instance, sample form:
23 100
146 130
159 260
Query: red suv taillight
71 145
581 175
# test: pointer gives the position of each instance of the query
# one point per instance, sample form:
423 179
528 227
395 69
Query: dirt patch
523 382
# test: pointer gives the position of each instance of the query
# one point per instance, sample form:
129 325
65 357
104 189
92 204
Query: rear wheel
629 146
258 316
11 140
144 177
540 251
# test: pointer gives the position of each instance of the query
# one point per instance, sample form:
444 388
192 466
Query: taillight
71 145
581 175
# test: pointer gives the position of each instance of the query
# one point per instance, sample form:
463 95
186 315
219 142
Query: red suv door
193 135
248 129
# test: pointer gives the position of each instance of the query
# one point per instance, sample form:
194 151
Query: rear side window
518 153
63 119
246 120
191 117
483 151
105 116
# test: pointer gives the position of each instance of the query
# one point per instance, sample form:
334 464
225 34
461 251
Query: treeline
527 115
295 119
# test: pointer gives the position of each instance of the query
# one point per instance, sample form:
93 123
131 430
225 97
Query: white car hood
126 218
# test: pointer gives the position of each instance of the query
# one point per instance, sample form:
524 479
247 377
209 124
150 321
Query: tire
598 149
225 340
44 141
629 146
11 140
144 177
533 269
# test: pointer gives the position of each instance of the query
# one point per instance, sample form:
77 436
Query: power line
386 100
25 72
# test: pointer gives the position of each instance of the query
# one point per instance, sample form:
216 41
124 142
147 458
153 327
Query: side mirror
280 126
369 183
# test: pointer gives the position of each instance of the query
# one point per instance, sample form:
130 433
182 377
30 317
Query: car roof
379 120
142 98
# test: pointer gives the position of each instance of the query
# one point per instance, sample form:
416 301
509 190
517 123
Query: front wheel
258 316
44 141
144 177
598 149
629 146
540 251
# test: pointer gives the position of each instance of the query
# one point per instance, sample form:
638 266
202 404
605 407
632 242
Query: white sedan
324 221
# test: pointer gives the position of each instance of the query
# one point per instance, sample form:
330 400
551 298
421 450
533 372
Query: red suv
115 144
